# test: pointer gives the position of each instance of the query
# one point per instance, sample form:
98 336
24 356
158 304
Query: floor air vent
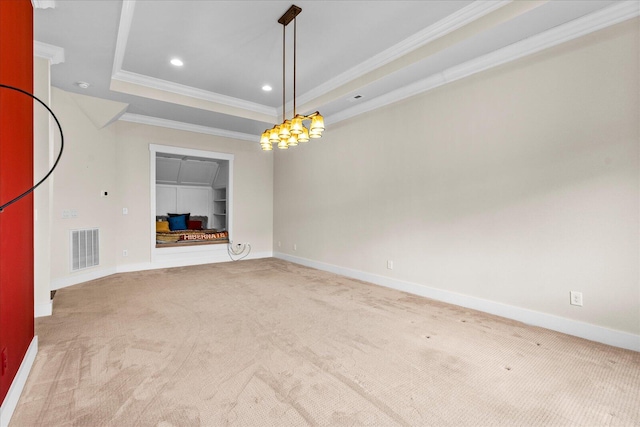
85 248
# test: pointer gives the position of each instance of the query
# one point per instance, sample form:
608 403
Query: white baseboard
184 262
44 309
74 279
179 256
168 261
530 317
17 385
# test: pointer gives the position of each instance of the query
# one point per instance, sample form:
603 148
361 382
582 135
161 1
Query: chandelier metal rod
294 66
284 68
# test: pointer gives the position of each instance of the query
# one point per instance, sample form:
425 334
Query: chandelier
290 132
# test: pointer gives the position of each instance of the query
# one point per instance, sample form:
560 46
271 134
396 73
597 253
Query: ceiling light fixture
83 85
177 62
290 132
267 88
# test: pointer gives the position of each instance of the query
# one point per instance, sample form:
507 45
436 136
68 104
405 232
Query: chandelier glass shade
290 132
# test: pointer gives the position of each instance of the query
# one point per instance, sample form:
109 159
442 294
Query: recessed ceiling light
267 88
83 85
177 62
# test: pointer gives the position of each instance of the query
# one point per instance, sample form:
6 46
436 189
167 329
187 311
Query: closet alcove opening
194 182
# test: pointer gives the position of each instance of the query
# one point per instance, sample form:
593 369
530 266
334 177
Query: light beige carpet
267 342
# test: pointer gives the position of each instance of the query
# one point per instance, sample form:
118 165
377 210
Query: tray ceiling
381 51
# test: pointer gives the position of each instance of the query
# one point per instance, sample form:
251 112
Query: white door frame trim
204 252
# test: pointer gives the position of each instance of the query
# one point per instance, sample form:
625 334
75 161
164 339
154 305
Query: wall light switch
125 211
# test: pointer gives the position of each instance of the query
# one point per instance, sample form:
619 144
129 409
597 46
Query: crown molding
172 124
43 4
404 92
595 21
54 54
612 15
459 19
445 26
192 92
126 18
587 24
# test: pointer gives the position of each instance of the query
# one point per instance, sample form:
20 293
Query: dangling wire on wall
241 250
10 202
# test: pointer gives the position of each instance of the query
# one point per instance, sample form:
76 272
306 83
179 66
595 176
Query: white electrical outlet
576 298
125 211
390 264
125 252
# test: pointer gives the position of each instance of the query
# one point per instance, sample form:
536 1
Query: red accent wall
16 176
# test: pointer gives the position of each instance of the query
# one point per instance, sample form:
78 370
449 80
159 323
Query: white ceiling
383 51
